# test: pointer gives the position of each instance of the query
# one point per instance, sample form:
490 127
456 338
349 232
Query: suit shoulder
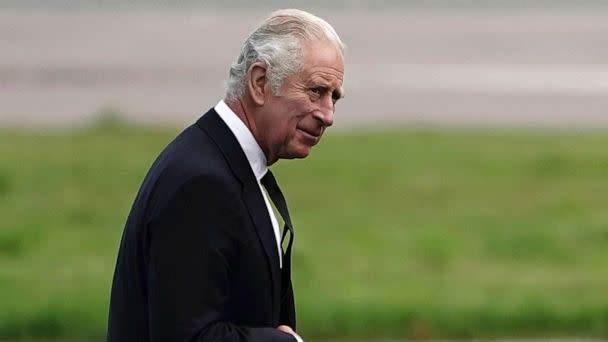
191 159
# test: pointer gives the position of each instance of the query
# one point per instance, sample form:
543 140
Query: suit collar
253 151
227 143
220 133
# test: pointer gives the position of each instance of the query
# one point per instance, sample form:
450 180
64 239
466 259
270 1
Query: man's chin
298 153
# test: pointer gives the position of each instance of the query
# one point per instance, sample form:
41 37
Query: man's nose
325 114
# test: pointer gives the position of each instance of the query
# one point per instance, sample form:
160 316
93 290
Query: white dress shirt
257 161
255 156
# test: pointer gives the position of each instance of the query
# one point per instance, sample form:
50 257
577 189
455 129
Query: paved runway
520 67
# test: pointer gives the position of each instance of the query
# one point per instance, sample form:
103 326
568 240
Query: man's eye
318 90
335 97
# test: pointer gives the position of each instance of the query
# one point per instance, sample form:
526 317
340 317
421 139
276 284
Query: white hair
278 42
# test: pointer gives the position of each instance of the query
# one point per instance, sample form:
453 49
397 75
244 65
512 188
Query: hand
287 329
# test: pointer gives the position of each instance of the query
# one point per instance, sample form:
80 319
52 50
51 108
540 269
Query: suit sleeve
192 247
288 310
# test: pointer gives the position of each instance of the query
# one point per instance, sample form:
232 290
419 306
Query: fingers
286 329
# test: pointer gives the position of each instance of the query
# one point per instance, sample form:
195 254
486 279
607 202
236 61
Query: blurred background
461 194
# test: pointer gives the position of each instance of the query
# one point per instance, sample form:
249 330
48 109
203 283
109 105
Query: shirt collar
253 151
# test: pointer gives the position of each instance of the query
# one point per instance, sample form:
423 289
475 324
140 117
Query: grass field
400 234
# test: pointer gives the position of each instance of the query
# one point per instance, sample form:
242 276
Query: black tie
270 183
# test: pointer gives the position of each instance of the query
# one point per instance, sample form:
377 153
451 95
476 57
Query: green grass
412 233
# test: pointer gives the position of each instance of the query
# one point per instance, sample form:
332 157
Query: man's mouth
312 136
311 133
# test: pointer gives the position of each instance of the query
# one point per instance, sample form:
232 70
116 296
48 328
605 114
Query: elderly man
201 256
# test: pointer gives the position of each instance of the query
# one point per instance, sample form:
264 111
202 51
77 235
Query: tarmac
495 67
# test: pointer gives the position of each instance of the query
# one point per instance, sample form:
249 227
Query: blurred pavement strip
559 80
530 67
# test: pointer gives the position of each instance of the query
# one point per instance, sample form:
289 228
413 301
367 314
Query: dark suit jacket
198 258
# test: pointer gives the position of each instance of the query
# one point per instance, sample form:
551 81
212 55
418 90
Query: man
201 256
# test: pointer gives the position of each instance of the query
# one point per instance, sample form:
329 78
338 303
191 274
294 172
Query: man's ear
256 82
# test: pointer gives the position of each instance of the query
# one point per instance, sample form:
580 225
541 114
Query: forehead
323 62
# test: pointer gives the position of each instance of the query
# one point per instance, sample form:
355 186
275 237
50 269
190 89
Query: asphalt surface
519 67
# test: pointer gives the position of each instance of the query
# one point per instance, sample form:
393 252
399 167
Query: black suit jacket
198 258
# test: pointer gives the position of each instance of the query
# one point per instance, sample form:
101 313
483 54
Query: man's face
292 122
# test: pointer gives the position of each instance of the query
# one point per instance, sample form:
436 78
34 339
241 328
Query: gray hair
277 42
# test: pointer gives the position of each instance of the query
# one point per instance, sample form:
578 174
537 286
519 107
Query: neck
243 111
238 108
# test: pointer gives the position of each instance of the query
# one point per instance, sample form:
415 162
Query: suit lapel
217 129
